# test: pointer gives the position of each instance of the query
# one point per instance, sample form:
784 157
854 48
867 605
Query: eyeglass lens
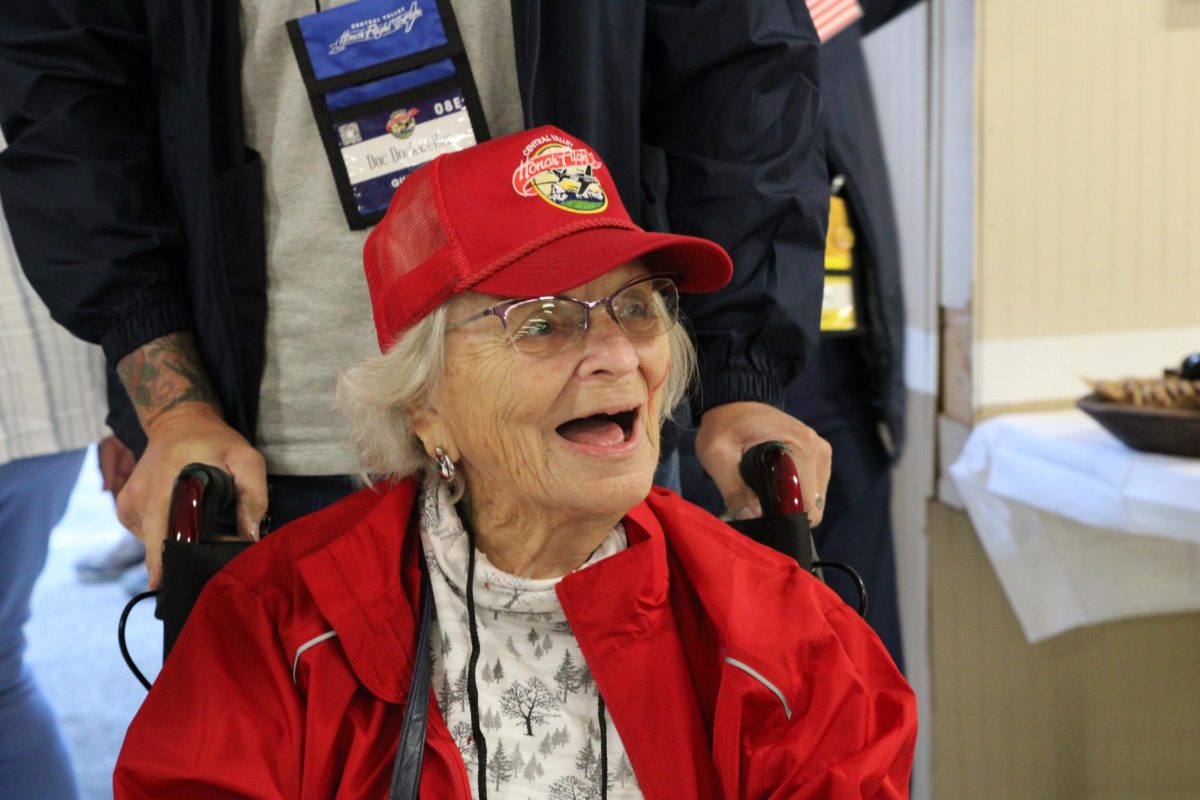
643 310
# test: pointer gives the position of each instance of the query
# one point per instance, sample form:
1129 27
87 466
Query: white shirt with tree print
538 707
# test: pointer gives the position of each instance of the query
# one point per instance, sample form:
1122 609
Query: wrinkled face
573 435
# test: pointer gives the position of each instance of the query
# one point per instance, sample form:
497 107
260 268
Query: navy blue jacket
136 207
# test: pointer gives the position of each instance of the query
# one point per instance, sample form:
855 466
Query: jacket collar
621 613
367 584
629 587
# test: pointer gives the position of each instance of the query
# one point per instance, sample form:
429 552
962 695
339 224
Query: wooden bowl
1169 431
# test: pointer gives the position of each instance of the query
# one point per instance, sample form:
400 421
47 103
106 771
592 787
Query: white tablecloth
1079 528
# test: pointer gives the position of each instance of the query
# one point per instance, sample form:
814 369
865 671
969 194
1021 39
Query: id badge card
839 309
390 88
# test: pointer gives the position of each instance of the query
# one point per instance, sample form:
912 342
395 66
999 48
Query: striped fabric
831 16
51 384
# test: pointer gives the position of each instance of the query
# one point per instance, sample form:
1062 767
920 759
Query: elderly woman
513 589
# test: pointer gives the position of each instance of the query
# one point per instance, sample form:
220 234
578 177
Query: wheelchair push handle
201 499
203 504
769 470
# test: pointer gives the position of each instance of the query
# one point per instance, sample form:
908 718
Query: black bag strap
406 771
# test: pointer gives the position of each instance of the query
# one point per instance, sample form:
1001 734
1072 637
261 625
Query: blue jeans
33 497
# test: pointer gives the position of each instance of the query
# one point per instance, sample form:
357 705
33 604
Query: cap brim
579 257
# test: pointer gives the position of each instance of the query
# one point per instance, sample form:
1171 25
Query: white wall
898 56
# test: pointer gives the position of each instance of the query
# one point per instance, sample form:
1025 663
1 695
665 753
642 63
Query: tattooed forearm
164 373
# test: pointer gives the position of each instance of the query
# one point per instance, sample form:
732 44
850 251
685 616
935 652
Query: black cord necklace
472 662
473 690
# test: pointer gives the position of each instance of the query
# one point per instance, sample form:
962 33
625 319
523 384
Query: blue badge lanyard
391 88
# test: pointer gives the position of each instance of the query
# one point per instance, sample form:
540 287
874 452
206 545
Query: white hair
377 394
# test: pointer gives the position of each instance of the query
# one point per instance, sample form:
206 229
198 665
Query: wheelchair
203 502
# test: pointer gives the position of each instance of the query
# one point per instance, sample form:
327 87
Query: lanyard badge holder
839 305
390 88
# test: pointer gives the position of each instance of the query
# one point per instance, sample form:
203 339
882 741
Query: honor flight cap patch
563 173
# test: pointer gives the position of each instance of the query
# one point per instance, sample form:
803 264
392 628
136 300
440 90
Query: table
1079 528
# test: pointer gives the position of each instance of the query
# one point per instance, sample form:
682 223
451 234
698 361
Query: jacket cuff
133 331
732 387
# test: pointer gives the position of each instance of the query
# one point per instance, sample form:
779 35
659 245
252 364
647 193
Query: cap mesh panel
411 265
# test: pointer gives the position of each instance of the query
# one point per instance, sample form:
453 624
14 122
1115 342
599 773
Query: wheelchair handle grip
201 493
769 470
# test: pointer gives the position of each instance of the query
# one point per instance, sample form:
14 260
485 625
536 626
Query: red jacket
727 671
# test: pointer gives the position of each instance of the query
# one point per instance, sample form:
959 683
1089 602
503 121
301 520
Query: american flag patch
831 16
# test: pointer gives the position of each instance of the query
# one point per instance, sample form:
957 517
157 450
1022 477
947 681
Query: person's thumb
739 498
250 488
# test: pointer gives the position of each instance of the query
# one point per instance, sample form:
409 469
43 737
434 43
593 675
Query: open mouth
600 430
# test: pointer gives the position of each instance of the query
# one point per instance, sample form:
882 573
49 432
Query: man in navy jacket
137 207
852 391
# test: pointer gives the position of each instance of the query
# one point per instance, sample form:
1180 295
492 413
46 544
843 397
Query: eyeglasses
541 326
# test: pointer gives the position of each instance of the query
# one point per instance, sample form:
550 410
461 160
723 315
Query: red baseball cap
529 214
